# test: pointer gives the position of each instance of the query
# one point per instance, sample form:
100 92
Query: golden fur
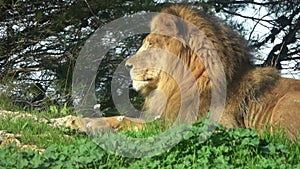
255 97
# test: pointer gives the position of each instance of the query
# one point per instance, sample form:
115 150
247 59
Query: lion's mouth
142 80
138 85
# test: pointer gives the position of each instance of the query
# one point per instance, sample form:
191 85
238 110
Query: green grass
35 133
234 148
48 112
226 148
7 104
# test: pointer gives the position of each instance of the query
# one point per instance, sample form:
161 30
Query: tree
280 21
40 41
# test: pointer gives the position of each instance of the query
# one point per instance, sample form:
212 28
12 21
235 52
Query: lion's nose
128 66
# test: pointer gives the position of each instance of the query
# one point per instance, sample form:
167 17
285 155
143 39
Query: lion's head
190 62
177 60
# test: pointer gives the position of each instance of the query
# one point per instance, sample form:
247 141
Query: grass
226 148
7 104
35 133
234 148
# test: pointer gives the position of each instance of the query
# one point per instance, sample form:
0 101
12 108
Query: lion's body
255 97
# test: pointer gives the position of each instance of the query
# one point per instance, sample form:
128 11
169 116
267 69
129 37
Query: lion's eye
150 43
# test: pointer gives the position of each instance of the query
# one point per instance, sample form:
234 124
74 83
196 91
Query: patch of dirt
7 138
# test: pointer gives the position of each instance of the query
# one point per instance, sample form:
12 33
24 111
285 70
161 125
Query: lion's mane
248 103
256 97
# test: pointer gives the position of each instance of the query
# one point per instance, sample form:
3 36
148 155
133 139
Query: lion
177 71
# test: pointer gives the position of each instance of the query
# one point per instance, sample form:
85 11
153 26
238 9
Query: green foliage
34 132
6 103
81 154
233 148
56 111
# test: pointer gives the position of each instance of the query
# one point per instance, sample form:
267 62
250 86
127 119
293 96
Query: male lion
256 97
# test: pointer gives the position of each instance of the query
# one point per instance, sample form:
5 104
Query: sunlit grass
36 133
224 148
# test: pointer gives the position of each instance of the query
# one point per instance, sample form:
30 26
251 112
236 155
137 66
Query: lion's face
150 63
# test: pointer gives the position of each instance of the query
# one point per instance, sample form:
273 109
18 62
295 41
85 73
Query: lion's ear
169 25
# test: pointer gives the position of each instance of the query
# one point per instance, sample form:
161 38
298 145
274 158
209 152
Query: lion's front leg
121 122
104 124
